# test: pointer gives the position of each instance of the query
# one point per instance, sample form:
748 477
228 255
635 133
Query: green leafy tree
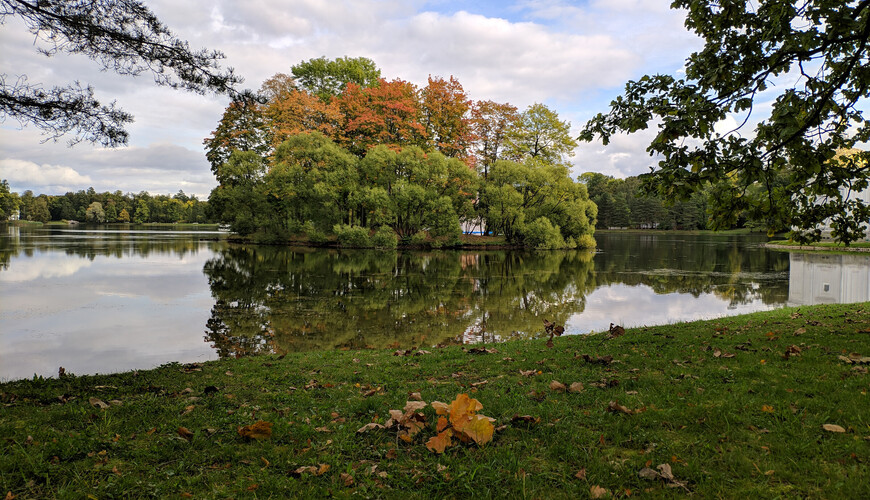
8 200
121 35
143 213
816 52
539 133
326 78
238 200
95 213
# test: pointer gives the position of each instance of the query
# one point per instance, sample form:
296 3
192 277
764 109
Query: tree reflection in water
280 300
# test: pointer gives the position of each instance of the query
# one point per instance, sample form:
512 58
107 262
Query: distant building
828 279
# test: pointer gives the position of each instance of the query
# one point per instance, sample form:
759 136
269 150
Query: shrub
586 241
541 233
385 237
352 236
418 238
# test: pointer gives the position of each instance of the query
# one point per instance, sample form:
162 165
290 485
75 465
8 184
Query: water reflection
101 301
828 279
287 300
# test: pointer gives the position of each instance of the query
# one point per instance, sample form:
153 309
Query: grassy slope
748 426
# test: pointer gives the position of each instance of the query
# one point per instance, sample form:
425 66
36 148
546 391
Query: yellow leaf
462 409
479 429
259 430
767 408
440 442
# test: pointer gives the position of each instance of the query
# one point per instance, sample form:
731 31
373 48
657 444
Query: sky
573 56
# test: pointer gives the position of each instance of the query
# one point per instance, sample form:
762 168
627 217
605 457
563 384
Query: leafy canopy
813 54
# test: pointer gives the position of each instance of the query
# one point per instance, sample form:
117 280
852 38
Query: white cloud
23 171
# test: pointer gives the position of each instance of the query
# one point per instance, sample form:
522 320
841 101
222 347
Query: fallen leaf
323 469
647 473
185 433
581 474
598 492
833 428
369 427
347 479
98 403
557 386
415 396
530 373
440 442
480 429
525 419
576 387
615 407
767 408
259 430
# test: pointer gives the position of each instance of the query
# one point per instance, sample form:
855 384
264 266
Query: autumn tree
297 111
490 122
123 36
387 114
816 52
446 117
242 127
327 78
539 133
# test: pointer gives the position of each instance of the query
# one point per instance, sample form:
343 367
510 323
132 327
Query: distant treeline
90 206
622 204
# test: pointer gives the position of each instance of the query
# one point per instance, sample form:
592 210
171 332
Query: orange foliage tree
387 114
446 117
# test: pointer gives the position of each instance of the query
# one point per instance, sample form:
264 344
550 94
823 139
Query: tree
121 35
823 46
445 116
326 78
242 128
539 133
387 114
490 122
8 201
95 213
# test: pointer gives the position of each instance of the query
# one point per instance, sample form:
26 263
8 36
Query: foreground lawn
759 406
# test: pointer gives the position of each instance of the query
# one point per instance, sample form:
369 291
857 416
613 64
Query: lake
100 300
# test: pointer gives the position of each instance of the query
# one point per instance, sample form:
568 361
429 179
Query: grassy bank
826 246
759 406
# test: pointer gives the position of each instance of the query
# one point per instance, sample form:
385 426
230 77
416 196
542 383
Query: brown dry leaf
323 429
598 492
259 430
347 479
557 386
307 468
666 472
414 406
527 373
615 407
440 408
525 419
185 433
800 331
415 396
440 442
833 428
323 469
188 409
647 473
767 408
98 403
717 353
369 427
581 474
576 387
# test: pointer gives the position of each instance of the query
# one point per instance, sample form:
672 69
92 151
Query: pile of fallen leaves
458 420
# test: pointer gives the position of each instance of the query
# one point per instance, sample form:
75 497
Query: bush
352 236
418 238
315 235
385 237
541 233
586 241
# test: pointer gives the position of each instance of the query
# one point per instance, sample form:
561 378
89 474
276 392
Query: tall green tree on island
788 163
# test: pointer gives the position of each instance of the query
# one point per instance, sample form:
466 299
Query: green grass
822 245
747 426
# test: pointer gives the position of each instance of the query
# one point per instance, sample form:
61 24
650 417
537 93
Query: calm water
97 301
